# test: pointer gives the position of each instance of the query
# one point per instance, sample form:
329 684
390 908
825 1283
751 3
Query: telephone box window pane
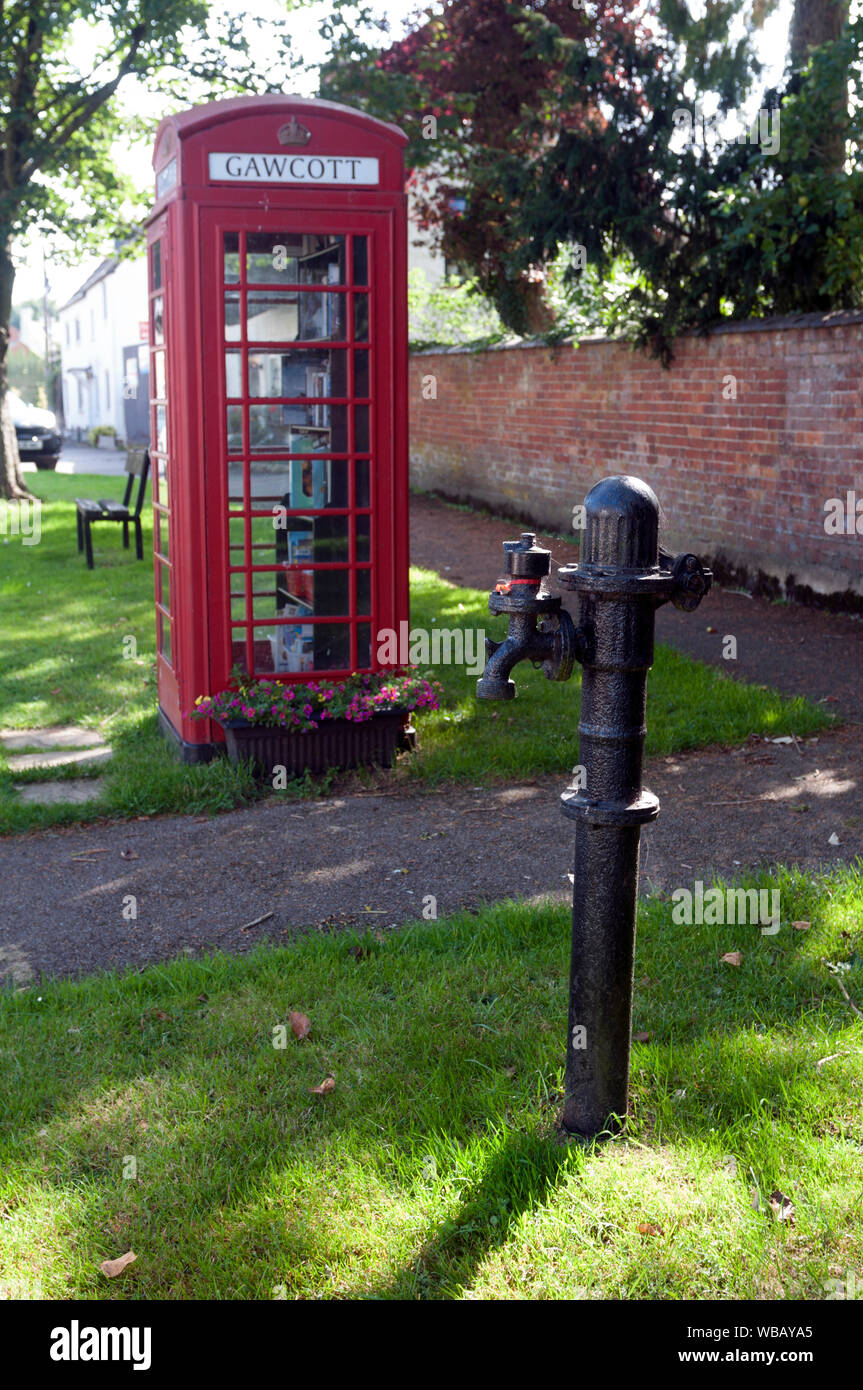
305 593
164 587
235 429
361 429
362 483
232 258
233 374
364 646
330 539
313 372
158 319
265 533
232 317
323 262
235 486
238 598
294 428
331 646
238 648
283 316
364 591
361 318
319 540
162 481
361 372
361 260
272 258
159 373
166 177
237 540
161 530
162 429
288 258
165 637
299 483
265 598
156 266
284 647
363 537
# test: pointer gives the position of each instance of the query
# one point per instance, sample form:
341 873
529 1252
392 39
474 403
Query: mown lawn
156 1112
62 661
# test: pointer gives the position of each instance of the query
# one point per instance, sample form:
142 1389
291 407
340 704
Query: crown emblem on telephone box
294 133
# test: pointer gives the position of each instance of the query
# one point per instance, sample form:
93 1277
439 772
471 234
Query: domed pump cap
524 559
621 525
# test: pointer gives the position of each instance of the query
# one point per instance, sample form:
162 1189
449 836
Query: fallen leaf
801 926
834 839
129 854
111 1268
733 957
781 1206
301 1026
647 1228
509 1071
359 952
328 1084
786 738
641 1037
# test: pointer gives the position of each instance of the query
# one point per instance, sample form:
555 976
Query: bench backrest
137 466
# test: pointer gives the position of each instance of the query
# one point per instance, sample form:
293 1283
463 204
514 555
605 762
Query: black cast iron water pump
621 578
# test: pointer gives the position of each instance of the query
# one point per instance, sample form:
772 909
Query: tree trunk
815 22
11 482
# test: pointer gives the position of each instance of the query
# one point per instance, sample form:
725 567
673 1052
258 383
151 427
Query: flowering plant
301 707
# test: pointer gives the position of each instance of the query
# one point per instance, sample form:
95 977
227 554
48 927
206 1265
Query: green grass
433 1170
63 662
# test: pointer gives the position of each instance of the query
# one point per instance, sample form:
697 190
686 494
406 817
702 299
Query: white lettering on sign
294 168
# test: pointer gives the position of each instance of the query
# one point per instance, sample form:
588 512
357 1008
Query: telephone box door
298 433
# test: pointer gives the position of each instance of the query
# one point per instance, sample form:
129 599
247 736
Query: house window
77 330
68 334
80 394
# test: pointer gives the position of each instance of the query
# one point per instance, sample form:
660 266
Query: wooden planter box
338 743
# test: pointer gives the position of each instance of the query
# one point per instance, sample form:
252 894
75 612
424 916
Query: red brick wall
528 430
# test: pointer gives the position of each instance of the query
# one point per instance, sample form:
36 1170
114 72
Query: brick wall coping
837 318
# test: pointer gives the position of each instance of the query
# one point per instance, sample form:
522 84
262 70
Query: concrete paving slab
24 762
77 789
62 736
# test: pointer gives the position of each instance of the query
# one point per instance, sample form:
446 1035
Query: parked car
38 437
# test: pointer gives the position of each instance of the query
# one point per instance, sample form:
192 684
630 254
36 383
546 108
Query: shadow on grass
240 1159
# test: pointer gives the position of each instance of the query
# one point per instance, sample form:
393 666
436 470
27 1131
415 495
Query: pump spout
522 595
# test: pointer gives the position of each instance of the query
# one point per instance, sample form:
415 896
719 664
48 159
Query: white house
103 348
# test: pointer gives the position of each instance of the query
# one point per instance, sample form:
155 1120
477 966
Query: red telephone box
277 252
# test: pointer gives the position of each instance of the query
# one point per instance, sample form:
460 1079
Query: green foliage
449 314
583 201
59 116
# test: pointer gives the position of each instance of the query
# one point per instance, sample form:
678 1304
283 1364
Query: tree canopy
61 65
540 130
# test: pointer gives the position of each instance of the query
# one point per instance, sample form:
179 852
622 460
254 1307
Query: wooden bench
88 510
